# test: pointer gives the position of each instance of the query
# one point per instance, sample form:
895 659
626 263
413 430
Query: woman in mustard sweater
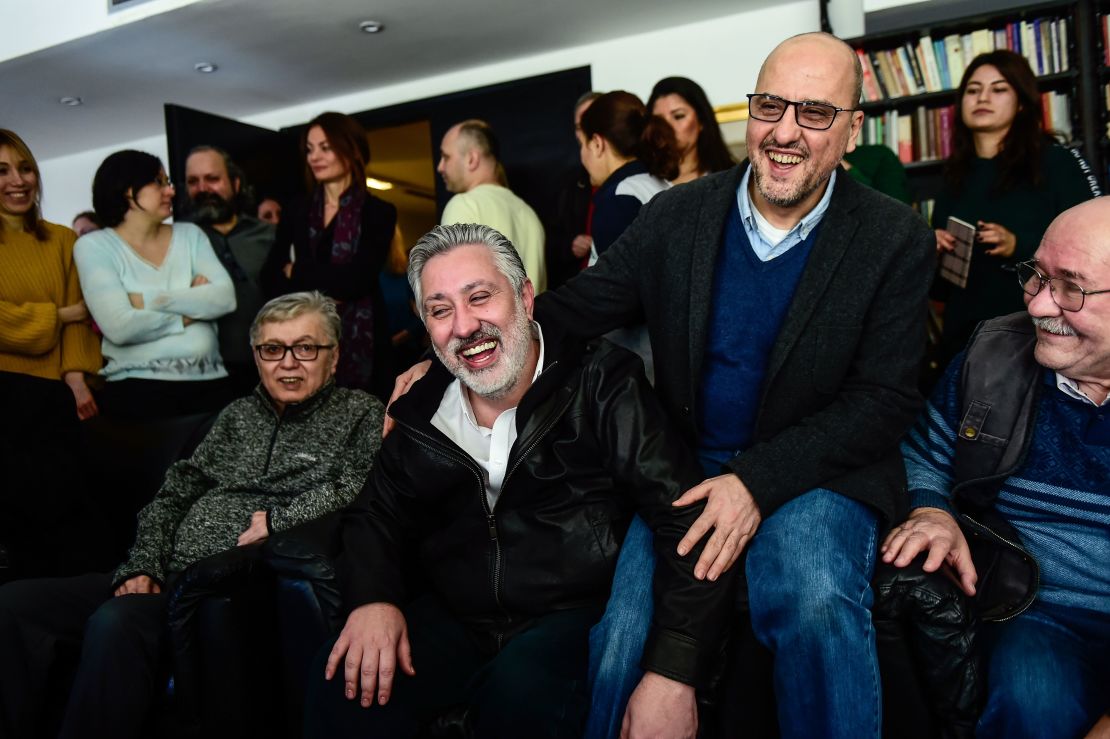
47 346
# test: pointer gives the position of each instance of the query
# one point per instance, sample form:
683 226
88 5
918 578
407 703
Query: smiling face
480 328
989 103
294 380
325 163
1075 343
790 164
676 111
19 184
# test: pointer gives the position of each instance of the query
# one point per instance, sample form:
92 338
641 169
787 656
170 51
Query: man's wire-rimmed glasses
1066 294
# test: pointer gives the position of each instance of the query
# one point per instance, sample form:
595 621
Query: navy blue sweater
750 299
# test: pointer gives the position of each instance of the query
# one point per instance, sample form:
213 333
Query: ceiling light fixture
376 184
71 101
205 67
371 27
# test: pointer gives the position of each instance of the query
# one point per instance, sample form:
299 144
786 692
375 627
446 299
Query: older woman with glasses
155 291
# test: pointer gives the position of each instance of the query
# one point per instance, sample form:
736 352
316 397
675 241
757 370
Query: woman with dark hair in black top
1010 178
337 242
683 104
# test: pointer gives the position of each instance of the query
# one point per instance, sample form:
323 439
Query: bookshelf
910 76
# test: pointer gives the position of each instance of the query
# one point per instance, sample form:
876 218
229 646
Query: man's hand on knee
935 530
731 512
370 646
661 708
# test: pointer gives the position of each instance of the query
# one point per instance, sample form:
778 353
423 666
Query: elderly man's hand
371 644
660 708
138 584
731 512
934 530
257 531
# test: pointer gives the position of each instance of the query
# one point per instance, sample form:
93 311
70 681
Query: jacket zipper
273 440
991 533
491 520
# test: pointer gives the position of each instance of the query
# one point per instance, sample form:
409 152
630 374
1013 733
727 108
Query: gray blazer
841 383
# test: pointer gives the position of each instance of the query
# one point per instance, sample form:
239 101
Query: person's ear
235 185
528 297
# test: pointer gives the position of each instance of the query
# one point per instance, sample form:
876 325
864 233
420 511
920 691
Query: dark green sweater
992 288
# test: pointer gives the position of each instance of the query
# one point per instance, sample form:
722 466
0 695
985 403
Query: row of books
934 65
925 134
921 135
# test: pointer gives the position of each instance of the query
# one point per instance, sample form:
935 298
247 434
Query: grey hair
443 239
293 305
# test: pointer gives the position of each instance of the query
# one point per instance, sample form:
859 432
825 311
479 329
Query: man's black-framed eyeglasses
1066 294
808 114
301 352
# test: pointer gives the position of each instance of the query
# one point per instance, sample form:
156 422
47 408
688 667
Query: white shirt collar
1070 388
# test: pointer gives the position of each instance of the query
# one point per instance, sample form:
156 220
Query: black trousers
535 686
118 643
141 399
42 496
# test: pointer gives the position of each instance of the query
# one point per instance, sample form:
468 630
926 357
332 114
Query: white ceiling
276 53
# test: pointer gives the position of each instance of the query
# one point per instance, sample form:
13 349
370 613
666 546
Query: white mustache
1054 325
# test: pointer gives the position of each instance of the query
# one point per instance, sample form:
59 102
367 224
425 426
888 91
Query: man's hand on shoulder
370 646
138 584
661 708
401 386
731 512
935 530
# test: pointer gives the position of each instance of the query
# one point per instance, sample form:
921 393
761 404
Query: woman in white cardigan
155 291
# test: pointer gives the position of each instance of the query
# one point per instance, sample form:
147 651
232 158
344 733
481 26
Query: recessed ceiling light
71 101
371 27
376 184
205 67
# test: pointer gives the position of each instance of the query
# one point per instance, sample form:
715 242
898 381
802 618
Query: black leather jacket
593 447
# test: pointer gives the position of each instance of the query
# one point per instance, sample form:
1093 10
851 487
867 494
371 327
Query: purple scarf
356 360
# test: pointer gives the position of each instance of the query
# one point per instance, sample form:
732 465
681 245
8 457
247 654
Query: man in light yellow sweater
470 165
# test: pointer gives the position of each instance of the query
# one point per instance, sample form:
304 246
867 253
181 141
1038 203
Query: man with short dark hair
512 474
297 448
1047 665
213 189
470 164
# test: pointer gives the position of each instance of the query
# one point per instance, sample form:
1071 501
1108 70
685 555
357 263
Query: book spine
942 65
932 69
880 78
945 133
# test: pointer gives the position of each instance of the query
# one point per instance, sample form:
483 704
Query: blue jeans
809 570
1046 674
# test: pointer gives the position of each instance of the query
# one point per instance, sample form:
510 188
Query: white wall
40 24
723 55
67 181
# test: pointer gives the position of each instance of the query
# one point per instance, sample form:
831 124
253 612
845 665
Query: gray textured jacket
309 461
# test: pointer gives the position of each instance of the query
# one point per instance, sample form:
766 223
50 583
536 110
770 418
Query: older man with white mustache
1047 662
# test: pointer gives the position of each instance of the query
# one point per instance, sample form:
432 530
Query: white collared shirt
1070 388
488 447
